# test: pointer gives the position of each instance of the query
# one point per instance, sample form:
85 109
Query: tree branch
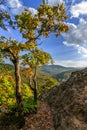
11 52
33 39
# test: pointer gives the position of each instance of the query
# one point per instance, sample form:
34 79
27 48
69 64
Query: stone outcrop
68 102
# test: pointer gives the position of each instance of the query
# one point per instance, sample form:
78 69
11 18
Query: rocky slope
68 102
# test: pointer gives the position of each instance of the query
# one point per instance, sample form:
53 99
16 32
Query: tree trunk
35 91
18 89
35 86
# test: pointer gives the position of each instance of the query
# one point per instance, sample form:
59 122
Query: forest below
7 81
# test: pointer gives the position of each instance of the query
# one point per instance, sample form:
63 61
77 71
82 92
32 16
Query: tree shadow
11 121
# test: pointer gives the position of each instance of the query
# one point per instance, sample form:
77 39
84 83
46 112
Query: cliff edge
68 102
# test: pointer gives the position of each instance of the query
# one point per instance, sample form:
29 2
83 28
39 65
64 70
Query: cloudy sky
70 49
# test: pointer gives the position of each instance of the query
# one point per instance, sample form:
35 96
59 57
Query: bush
8 97
46 82
7 93
29 105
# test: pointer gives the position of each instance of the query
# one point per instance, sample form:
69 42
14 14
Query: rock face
68 102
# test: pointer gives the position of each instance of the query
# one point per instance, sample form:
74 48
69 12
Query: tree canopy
49 19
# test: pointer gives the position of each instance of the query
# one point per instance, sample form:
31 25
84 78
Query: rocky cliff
68 102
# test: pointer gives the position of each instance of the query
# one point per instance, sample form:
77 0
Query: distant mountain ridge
58 72
55 69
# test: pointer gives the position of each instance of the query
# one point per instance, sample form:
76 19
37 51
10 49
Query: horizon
47 65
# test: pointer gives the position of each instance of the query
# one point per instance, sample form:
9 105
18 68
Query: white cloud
34 11
77 36
55 2
79 9
17 7
82 51
15 3
72 63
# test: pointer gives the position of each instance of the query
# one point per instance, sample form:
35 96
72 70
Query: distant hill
63 76
55 69
60 73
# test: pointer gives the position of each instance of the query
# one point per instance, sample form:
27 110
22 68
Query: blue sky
70 49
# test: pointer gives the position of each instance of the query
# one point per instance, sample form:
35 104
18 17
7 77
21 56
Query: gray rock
68 102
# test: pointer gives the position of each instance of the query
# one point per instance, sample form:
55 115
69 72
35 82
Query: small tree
11 49
35 60
49 19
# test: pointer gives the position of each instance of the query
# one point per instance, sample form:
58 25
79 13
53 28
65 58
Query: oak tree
11 49
34 61
49 19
